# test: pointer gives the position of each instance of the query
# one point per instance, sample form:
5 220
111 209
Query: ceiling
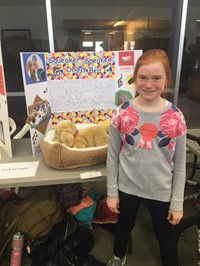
90 24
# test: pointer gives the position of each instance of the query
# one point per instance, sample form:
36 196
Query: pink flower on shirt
172 123
129 120
171 146
125 120
123 138
115 121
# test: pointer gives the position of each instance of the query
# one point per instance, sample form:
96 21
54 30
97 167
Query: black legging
129 206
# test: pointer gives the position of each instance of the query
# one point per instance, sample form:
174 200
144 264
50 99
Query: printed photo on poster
126 58
34 68
39 112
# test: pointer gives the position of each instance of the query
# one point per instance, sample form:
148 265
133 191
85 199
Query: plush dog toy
90 136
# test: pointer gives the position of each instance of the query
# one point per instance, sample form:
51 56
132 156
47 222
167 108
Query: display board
5 140
81 86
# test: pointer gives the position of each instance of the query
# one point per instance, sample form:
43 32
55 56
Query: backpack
63 245
34 216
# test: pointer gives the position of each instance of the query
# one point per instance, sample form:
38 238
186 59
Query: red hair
153 56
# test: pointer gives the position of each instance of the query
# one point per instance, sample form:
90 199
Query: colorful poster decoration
125 63
84 87
80 65
37 97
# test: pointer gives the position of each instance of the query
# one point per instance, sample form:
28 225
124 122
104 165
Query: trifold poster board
5 140
84 87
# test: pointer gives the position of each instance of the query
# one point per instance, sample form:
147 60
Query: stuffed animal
64 132
91 136
105 124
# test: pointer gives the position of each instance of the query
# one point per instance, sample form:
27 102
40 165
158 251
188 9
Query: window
189 89
23 28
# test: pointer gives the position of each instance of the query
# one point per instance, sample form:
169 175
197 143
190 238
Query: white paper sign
74 95
17 170
87 175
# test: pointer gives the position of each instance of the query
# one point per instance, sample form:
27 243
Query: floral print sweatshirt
146 154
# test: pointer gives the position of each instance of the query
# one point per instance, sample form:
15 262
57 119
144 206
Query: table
45 174
195 149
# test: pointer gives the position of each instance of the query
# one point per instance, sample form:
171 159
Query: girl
146 159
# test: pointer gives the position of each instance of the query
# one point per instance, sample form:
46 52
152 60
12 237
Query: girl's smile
151 81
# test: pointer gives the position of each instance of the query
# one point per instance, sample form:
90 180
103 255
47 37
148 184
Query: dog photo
38 113
34 68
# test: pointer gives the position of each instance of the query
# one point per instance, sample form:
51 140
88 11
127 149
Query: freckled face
151 81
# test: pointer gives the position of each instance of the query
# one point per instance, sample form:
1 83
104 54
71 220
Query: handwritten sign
17 170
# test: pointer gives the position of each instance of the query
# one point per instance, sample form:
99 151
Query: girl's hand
174 217
113 204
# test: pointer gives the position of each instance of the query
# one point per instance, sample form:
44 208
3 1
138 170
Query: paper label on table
17 170
86 175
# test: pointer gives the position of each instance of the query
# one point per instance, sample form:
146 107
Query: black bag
62 246
79 243
48 249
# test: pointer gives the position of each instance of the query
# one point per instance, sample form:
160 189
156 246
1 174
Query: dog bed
59 156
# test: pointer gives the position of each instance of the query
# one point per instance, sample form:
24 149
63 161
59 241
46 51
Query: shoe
115 261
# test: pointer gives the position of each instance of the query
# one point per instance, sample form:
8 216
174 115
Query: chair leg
130 244
194 167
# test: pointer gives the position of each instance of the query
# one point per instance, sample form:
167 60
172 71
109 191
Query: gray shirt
146 154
